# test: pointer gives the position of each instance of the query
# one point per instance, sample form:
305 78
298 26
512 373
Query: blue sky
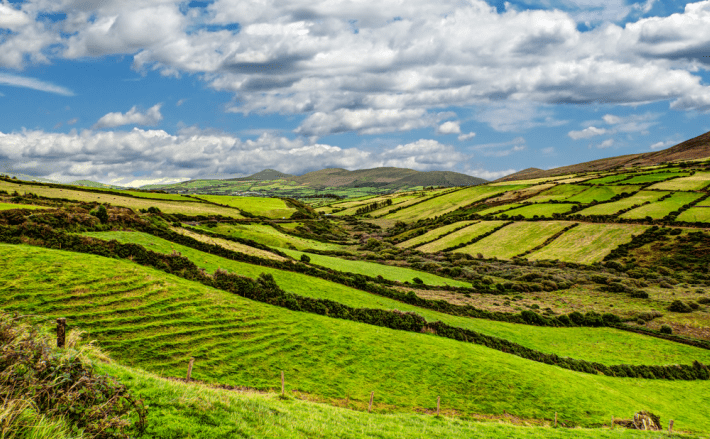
134 92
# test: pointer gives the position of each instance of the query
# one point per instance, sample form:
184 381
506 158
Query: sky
133 92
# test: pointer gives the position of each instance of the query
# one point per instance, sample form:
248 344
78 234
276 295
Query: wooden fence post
438 400
61 332
372 396
282 383
189 368
670 427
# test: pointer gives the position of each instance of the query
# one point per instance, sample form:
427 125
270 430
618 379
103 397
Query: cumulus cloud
663 144
501 149
147 155
450 127
467 136
132 117
364 121
608 143
490 175
587 133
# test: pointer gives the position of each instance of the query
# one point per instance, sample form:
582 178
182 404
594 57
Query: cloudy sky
137 91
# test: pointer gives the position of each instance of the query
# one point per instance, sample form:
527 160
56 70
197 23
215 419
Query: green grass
497 209
695 214
148 319
660 209
150 195
588 243
608 179
460 236
433 234
197 411
654 177
559 192
696 182
11 206
262 206
543 210
166 206
625 203
267 235
601 193
446 203
514 239
373 269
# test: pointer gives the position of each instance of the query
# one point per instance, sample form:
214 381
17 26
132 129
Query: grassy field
534 180
446 203
660 209
588 243
261 206
560 192
267 235
145 318
695 182
543 210
602 193
373 269
150 195
695 214
187 208
514 239
180 410
11 206
460 236
608 179
625 203
654 177
433 234
497 209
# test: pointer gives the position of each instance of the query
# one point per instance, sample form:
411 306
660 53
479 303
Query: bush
305 258
100 213
704 300
665 329
678 306
418 281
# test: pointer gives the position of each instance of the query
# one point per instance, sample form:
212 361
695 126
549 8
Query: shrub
704 300
678 306
665 329
418 281
100 213
305 258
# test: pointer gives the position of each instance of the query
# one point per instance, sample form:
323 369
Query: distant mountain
384 177
26 177
266 174
693 149
96 184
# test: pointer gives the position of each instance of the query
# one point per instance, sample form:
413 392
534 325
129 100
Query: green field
587 243
602 193
186 208
654 177
460 236
560 192
608 179
625 203
660 209
433 234
146 318
267 235
11 206
261 206
695 182
514 239
695 215
150 195
446 203
497 209
541 210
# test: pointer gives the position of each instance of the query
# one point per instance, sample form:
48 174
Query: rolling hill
385 177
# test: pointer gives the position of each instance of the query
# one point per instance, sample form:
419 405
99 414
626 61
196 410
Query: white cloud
132 117
450 127
587 133
547 151
490 175
501 149
35 84
467 136
608 143
364 121
664 144
147 155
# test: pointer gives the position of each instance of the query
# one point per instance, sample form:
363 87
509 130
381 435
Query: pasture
12 206
661 209
695 215
625 203
260 206
145 318
559 192
654 177
460 236
587 243
433 234
514 239
540 210
268 235
696 182
601 193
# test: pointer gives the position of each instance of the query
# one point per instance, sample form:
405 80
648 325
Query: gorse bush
41 386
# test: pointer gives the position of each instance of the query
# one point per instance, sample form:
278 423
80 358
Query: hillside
266 174
385 177
693 149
